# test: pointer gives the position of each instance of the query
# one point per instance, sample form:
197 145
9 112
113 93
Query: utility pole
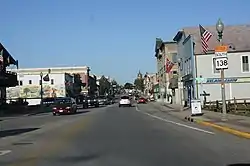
41 85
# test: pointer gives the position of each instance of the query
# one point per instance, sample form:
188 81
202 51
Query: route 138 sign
221 63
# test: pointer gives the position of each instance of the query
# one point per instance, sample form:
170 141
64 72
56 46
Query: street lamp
41 85
220 28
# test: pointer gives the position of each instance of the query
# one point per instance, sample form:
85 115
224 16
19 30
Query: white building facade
194 64
237 76
59 84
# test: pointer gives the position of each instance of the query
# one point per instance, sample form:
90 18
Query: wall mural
33 91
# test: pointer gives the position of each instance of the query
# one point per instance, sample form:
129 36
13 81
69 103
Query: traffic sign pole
221 50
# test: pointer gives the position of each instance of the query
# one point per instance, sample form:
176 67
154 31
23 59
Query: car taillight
67 108
54 108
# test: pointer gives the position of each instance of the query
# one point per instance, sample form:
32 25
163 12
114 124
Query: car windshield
142 98
124 97
63 101
102 97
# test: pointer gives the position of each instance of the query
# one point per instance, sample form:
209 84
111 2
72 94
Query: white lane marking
176 123
4 152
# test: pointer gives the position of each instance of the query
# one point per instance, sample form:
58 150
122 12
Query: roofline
54 68
169 42
166 43
178 35
211 52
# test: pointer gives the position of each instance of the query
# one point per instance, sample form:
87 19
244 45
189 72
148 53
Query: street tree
77 85
128 86
104 85
139 84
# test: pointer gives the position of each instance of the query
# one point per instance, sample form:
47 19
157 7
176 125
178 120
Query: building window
214 68
20 83
30 81
175 72
174 58
245 64
52 81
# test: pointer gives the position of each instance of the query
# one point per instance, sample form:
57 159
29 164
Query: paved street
112 136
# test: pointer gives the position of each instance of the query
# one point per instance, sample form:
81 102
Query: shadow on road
81 112
6 133
77 159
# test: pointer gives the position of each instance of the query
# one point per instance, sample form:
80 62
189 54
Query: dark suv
82 101
93 101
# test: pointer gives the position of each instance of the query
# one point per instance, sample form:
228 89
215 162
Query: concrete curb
220 127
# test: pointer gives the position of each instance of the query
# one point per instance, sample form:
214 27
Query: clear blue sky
113 37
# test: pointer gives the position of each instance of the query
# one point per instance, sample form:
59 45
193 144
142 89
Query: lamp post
41 85
88 80
220 28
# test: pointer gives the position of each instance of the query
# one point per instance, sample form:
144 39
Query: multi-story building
168 82
7 78
88 82
150 80
31 85
195 64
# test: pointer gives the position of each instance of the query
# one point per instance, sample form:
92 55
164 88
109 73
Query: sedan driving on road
125 101
141 100
64 105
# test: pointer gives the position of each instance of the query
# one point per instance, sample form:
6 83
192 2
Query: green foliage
139 84
128 86
104 85
77 86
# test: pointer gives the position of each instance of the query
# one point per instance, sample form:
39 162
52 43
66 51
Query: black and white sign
220 54
221 63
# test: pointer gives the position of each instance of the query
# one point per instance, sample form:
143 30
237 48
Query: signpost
200 80
221 63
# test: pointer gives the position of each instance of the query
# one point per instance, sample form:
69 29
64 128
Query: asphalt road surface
112 136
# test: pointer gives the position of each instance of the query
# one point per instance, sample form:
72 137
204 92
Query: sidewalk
235 124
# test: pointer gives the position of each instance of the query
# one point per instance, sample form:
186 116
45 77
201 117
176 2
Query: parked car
142 100
125 101
93 101
82 101
64 105
103 100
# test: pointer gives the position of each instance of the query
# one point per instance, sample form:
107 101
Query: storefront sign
227 80
218 80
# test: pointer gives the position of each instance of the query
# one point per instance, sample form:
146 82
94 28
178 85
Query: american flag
169 65
1 56
205 37
1 60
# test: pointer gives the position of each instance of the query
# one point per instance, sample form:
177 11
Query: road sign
221 51
221 63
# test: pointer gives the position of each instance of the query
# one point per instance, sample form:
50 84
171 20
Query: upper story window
174 58
30 81
245 63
